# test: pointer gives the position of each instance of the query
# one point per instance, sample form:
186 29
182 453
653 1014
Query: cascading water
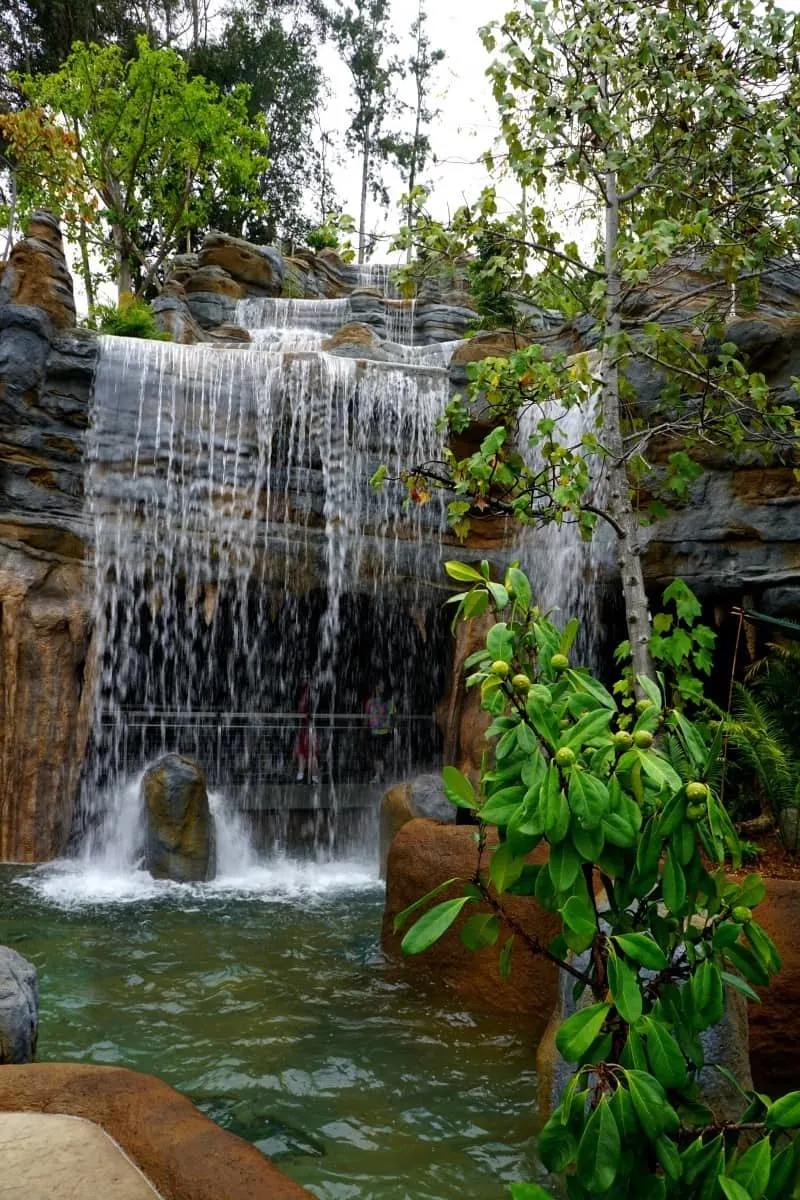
226 486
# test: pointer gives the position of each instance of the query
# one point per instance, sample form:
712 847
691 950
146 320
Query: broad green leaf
499 642
642 949
577 1033
557 1146
583 802
669 1157
458 789
599 1150
462 573
752 1169
480 930
518 582
504 962
732 1189
579 915
430 927
674 884
666 1061
502 806
735 981
556 809
624 989
692 740
529 1191
752 891
403 916
564 865
784 1113
505 867
653 1112
582 681
651 690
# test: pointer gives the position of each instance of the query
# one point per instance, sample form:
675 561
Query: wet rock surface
179 828
422 796
19 1008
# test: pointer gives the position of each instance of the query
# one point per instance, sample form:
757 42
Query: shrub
132 317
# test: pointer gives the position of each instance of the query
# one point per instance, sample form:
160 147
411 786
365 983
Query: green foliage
764 730
155 147
132 317
653 932
333 233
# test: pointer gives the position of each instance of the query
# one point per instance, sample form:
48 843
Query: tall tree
155 148
411 152
675 123
363 35
270 45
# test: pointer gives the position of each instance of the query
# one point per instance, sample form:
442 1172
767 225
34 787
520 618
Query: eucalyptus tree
363 35
674 125
411 152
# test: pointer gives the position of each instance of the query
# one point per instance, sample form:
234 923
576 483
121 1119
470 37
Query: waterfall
227 486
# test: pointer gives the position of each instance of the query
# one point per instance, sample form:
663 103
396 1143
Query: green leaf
518 580
529 1191
555 808
624 989
732 1189
666 1061
482 929
642 949
458 789
505 867
430 927
735 981
462 573
653 1111
504 962
564 865
499 595
403 916
502 806
576 1034
499 642
674 885
784 1113
669 1157
557 1146
651 690
599 1150
752 1169
579 916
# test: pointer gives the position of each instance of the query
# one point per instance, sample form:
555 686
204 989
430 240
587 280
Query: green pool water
268 1002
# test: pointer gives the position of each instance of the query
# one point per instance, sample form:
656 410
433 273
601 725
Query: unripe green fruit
742 914
559 662
643 705
521 683
642 739
565 757
696 792
695 812
563 723
500 668
623 739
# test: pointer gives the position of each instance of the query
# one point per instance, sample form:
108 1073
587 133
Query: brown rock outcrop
258 268
179 828
36 273
44 651
424 854
353 334
183 1153
214 279
774 1052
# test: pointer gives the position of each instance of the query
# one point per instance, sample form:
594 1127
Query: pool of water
267 1001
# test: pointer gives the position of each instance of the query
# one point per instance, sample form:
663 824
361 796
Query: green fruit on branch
695 812
500 668
742 914
695 792
622 739
521 683
559 662
643 705
565 757
642 739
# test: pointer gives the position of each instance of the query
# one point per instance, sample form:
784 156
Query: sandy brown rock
424 854
37 274
774 1050
489 343
353 334
214 279
258 268
184 1154
179 830
44 664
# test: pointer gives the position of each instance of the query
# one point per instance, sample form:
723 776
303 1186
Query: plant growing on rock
654 934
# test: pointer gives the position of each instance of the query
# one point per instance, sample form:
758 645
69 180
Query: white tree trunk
362 221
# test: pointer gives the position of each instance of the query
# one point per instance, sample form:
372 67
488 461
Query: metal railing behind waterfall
244 753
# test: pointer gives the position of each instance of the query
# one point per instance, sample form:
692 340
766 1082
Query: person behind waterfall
379 710
306 749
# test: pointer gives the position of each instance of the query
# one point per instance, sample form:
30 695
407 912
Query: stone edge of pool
183 1154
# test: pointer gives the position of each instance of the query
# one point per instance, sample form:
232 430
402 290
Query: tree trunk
362 221
86 269
629 552
124 272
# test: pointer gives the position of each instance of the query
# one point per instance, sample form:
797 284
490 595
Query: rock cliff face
46 369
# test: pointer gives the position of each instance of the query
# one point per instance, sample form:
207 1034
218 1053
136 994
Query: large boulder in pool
179 828
19 1008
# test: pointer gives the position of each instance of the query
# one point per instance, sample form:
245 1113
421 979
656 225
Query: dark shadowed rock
19 1008
179 831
